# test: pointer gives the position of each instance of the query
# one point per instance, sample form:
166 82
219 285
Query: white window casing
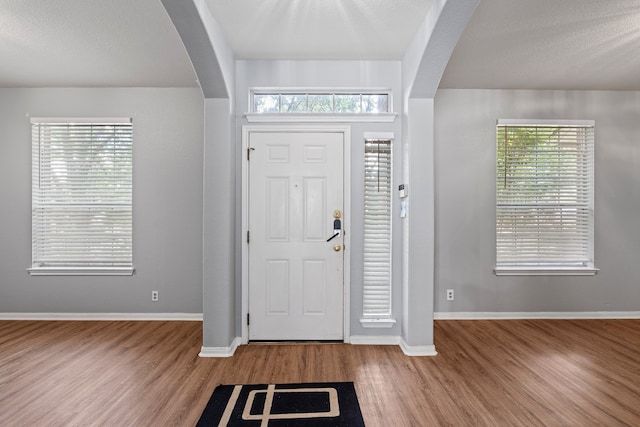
377 234
82 196
545 198
318 105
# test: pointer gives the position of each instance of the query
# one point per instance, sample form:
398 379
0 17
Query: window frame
378 319
39 265
319 117
550 269
333 92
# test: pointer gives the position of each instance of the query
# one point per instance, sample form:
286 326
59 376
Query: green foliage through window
320 102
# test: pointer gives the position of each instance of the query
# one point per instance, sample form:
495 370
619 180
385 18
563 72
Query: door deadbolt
337 213
337 227
337 248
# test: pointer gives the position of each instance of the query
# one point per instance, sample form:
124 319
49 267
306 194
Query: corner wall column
419 231
219 225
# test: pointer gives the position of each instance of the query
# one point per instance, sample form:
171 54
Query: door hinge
247 319
247 236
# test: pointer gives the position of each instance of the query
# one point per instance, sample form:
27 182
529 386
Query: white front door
296 285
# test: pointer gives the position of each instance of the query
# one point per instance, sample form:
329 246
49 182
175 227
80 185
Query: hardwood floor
487 373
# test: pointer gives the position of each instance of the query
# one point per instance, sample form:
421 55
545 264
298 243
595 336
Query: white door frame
346 131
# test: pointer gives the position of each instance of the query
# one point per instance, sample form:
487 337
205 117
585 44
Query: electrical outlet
154 295
450 295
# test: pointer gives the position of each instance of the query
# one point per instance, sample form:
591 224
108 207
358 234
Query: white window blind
82 194
544 190
377 229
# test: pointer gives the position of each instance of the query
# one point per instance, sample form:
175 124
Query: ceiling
90 43
523 44
549 44
320 29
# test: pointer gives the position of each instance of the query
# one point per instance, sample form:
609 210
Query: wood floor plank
487 373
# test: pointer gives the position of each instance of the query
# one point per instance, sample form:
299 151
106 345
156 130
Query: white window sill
377 323
320 118
81 271
545 271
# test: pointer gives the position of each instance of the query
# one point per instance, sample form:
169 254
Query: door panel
315 206
277 286
277 214
314 273
296 284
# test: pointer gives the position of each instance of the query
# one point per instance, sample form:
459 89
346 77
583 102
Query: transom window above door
320 101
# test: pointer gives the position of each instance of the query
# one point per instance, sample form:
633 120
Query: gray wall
334 74
167 202
465 202
219 288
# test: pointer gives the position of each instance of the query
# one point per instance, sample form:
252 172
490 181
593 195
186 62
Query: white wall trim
500 315
221 351
375 340
544 271
534 122
418 350
80 271
408 350
103 316
377 323
83 120
320 118
384 136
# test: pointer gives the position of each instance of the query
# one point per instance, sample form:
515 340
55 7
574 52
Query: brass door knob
337 248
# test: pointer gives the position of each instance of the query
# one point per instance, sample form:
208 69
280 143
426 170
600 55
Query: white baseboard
103 316
418 350
500 315
374 340
221 351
